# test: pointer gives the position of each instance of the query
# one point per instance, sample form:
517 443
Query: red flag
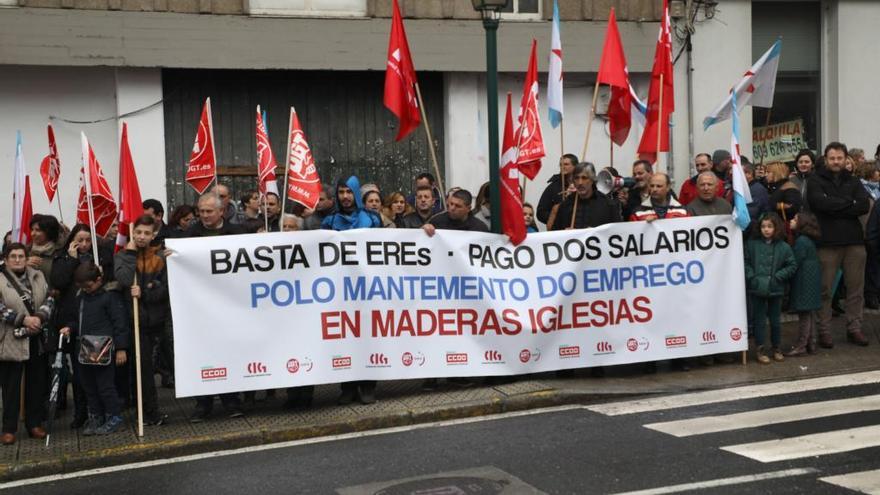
202 170
94 190
512 222
50 168
27 212
400 79
613 71
303 183
131 206
265 158
530 141
657 118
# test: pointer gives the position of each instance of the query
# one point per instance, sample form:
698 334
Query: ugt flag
50 167
512 221
202 170
756 88
265 158
303 183
95 197
742 196
554 75
400 79
130 203
530 141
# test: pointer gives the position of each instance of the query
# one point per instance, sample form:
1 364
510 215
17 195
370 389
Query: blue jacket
359 218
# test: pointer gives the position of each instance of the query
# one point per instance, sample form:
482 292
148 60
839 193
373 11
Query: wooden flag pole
561 154
574 211
135 311
286 172
60 215
266 210
89 205
590 121
430 143
766 123
660 124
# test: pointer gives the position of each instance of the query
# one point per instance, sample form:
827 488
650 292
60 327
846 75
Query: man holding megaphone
587 207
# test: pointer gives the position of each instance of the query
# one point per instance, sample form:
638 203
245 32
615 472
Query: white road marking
864 482
281 445
736 480
732 394
831 442
762 417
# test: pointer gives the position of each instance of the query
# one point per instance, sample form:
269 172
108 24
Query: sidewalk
403 403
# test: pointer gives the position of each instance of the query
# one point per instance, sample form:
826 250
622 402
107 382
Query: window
522 9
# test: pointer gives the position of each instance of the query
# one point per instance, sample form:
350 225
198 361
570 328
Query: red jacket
646 211
688 191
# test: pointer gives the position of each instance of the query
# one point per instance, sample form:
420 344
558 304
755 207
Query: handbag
94 350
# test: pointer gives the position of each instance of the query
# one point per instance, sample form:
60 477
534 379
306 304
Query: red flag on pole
512 222
94 194
131 206
303 183
613 72
400 79
265 158
202 170
50 168
27 212
530 140
657 123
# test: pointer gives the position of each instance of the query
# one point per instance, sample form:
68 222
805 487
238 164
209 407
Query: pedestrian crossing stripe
763 417
864 481
734 394
816 444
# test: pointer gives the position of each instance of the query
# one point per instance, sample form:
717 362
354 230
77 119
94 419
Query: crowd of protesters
813 242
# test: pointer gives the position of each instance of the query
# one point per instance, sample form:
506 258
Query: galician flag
554 75
742 196
756 88
22 210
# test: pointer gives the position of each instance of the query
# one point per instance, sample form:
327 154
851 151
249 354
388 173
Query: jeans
764 308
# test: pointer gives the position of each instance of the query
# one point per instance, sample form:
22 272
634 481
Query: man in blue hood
350 212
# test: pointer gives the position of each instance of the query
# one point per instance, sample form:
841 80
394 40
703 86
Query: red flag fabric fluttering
400 79
130 203
101 197
202 169
613 72
303 183
27 212
512 222
530 140
266 163
657 121
50 167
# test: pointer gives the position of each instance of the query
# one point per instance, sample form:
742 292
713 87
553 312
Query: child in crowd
529 217
769 264
100 314
806 285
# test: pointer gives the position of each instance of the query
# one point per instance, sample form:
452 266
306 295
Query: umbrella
57 369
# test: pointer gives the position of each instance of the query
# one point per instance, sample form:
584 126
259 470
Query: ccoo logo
569 351
736 334
455 358
492 357
341 362
676 341
213 373
605 347
256 368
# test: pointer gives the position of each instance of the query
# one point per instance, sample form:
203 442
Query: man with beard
312 219
553 193
424 209
642 171
587 207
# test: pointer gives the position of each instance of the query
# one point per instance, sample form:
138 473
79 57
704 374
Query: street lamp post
490 10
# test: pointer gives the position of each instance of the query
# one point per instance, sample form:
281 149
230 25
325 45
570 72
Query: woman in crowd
373 203
251 206
47 237
395 207
482 208
180 220
25 309
785 198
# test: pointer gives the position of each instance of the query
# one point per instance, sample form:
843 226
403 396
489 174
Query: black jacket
786 192
551 196
598 210
442 221
413 221
102 313
837 200
149 267
197 229
61 280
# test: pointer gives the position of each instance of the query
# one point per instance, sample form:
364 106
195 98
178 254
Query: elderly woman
25 308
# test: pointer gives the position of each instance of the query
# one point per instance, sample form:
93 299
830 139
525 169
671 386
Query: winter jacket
647 211
769 266
806 285
551 197
101 313
436 208
358 218
13 312
760 200
785 192
413 221
61 280
471 223
198 229
689 192
148 266
837 200
597 210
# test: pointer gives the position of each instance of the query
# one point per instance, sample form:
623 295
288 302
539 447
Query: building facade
89 65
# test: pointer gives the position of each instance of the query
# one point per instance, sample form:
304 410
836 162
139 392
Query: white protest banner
276 310
778 142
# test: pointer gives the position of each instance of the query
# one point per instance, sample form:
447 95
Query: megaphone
606 182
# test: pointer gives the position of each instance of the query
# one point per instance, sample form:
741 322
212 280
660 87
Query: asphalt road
602 449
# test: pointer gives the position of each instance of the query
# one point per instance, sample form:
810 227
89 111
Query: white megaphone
607 182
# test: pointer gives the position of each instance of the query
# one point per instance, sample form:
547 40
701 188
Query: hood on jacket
355 185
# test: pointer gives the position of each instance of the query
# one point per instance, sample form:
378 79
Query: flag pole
430 141
286 172
60 215
660 124
574 211
266 210
766 123
88 183
590 121
135 311
561 153
611 152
